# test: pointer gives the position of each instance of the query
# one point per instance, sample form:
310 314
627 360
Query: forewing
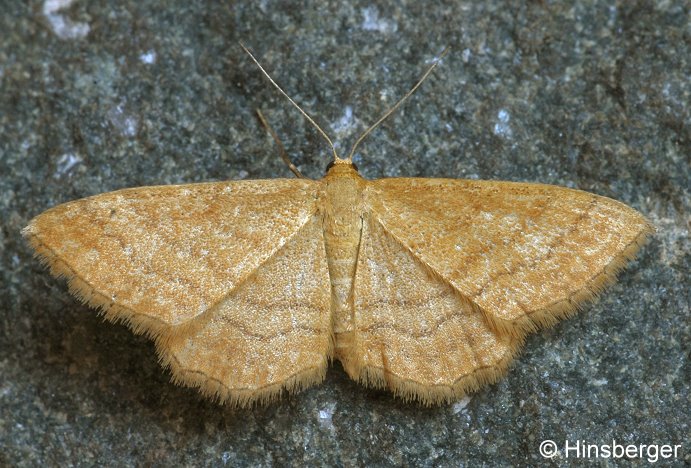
156 257
414 333
272 332
525 254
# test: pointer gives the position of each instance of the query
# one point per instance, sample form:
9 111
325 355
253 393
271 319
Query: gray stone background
97 96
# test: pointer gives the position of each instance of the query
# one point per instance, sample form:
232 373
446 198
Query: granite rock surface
97 96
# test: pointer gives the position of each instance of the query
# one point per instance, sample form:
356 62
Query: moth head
341 162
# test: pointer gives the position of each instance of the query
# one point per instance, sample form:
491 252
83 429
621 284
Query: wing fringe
161 333
550 315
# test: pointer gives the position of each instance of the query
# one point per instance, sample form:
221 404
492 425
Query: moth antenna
437 61
281 148
309 119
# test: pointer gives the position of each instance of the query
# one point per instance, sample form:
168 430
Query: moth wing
526 255
172 260
413 332
159 256
271 332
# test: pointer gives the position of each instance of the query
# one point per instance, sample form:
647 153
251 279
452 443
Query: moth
426 287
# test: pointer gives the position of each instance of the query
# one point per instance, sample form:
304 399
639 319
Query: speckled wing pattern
272 332
524 255
416 334
452 274
175 261
232 279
